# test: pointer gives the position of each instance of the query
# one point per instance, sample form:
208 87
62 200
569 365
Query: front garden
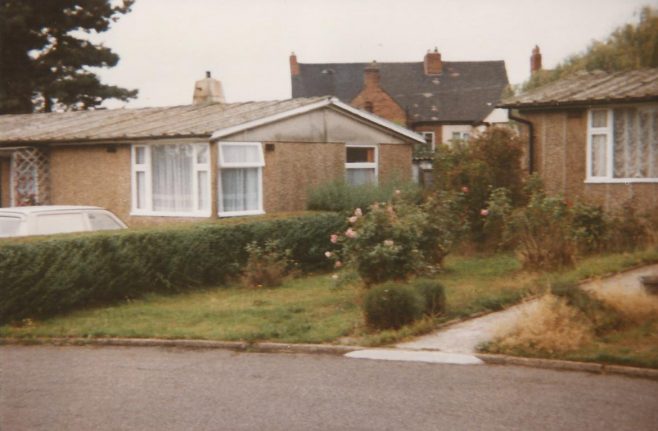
402 263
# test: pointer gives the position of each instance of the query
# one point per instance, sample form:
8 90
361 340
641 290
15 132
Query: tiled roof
463 92
591 88
120 124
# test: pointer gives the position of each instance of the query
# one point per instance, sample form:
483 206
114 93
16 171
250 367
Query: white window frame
432 141
238 165
146 168
608 131
363 165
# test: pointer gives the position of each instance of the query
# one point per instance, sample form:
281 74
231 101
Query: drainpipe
531 139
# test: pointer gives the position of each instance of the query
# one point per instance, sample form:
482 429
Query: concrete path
464 337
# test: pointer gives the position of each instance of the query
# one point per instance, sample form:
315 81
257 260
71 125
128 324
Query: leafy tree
632 46
45 56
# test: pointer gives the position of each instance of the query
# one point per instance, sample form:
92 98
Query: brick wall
560 159
382 104
292 169
394 162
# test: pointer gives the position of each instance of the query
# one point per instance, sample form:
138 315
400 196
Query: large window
241 178
622 144
361 165
171 180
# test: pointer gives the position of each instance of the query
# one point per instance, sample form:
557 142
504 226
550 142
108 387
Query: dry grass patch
549 326
634 308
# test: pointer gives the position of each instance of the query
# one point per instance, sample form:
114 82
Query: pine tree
45 56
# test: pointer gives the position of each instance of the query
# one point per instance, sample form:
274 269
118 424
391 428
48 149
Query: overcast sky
165 45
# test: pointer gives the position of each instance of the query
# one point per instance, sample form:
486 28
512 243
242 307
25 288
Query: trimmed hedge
51 276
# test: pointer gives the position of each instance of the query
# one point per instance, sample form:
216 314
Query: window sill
169 214
620 180
241 213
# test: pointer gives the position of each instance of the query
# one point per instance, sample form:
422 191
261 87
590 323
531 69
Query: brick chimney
371 75
433 64
535 60
208 90
294 66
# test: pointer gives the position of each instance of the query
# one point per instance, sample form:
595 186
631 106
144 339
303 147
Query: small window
429 140
361 165
369 107
241 178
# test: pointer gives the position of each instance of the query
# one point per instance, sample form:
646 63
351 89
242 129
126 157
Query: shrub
496 216
487 162
443 227
433 294
383 244
342 197
391 306
628 231
589 228
57 274
542 231
266 265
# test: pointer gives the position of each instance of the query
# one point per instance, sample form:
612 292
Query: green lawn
312 309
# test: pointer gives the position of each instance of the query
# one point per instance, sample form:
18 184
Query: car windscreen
9 225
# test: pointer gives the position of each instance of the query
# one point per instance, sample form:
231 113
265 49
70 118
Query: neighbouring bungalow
205 160
594 136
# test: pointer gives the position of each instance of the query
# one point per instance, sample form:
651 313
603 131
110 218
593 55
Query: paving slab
415 356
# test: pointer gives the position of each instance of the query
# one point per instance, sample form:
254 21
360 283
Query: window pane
240 189
102 221
360 155
429 137
357 177
204 193
241 154
140 177
202 153
140 155
172 177
600 118
599 155
456 135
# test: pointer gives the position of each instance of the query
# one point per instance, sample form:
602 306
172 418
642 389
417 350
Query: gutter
531 138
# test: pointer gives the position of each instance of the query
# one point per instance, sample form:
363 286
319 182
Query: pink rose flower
389 243
328 254
357 212
338 264
397 192
352 219
465 189
333 238
350 233
484 212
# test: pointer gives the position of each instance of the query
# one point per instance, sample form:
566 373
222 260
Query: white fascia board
272 118
379 120
317 105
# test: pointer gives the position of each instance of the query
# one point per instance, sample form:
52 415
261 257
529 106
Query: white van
51 219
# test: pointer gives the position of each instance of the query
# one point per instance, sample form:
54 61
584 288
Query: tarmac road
135 388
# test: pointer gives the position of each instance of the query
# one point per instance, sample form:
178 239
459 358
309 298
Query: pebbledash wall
560 157
300 153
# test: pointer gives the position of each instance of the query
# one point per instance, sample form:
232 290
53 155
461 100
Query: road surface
134 388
